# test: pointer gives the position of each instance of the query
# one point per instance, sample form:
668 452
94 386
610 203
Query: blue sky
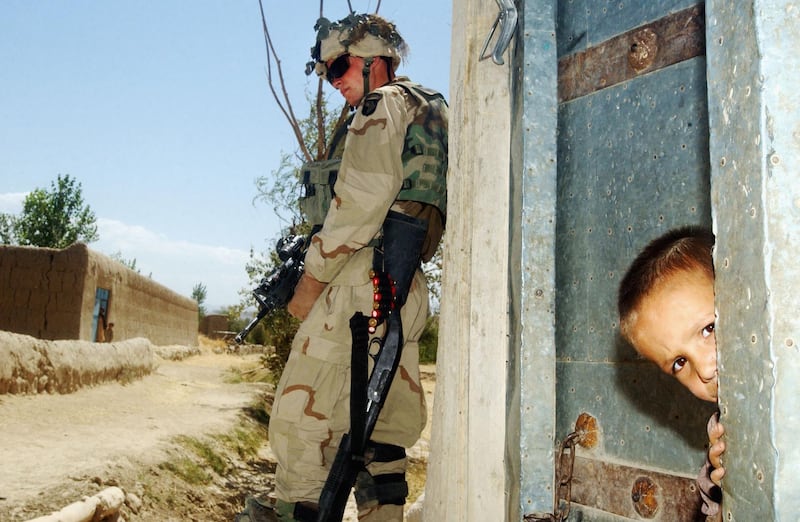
161 110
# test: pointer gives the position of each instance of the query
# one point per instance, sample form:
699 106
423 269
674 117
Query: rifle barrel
252 324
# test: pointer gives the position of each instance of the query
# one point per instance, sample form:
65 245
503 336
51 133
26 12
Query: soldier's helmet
364 35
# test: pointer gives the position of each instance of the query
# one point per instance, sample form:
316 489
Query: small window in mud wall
100 315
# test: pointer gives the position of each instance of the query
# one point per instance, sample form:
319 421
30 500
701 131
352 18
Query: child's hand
716 448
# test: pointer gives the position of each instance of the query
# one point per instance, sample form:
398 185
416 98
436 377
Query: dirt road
49 441
54 449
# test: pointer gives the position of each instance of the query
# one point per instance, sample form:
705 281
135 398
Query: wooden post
466 471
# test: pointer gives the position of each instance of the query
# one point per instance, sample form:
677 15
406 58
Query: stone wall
50 294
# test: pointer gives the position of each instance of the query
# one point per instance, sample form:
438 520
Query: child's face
674 328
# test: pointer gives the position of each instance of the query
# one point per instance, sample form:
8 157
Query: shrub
279 329
429 340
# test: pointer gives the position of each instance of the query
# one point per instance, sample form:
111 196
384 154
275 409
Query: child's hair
682 249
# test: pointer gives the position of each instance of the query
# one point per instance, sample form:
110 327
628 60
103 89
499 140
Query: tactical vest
318 180
424 161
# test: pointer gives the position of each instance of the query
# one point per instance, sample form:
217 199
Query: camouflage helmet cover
364 35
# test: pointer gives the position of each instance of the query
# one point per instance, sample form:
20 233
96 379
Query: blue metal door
632 162
669 113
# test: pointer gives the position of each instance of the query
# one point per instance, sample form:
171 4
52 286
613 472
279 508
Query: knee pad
296 511
385 488
380 489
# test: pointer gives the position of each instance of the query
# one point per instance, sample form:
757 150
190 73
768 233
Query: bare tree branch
284 103
318 108
320 122
350 7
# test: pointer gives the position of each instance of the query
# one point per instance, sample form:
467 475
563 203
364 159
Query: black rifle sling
359 370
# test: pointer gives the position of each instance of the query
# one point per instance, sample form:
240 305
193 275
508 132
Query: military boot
257 510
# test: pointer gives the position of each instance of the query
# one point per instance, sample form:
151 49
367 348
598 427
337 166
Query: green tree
234 315
130 263
280 190
279 330
199 294
6 229
55 219
429 340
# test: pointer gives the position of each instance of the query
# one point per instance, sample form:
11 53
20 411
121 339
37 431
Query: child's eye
678 364
708 331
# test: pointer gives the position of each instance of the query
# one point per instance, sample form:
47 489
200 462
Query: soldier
394 159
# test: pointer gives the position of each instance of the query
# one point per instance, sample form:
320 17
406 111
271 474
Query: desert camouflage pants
312 403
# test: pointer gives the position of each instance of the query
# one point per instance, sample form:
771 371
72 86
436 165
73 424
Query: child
666 310
109 332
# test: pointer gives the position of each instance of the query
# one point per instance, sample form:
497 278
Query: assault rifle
394 269
276 289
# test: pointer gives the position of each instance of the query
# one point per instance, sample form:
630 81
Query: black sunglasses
338 68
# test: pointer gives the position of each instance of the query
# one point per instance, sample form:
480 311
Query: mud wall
213 326
30 366
50 294
138 306
41 290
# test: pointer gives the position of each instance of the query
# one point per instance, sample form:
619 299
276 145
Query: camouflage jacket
370 178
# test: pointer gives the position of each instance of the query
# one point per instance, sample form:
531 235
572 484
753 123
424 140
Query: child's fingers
715 432
716 476
715 453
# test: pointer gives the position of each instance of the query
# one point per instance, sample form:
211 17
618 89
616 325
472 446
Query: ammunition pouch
318 178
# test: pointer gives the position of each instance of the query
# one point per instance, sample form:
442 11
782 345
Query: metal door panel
632 164
645 418
632 161
584 23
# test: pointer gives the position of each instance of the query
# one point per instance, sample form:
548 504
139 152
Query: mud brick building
215 326
61 294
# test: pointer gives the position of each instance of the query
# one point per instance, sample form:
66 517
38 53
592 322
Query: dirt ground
174 441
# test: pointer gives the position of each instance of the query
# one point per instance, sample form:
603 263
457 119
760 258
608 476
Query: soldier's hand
305 294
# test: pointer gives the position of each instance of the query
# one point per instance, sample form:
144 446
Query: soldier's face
350 83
